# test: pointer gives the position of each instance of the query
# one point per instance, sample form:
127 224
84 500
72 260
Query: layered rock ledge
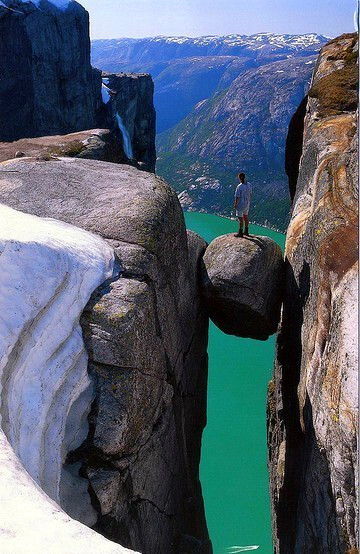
242 283
93 144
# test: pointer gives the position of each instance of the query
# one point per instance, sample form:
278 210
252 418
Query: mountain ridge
201 132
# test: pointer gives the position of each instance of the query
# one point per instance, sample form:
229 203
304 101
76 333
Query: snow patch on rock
105 93
48 271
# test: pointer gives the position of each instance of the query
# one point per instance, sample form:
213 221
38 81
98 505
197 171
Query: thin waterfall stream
126 138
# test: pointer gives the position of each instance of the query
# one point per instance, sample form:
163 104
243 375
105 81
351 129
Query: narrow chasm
233 468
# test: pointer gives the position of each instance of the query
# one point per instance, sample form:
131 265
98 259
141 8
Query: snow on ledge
32 523
48 270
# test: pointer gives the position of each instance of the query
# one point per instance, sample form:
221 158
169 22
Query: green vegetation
270 202
337 92
70 150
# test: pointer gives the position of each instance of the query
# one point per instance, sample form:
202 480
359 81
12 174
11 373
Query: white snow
294 42
105 93
48 270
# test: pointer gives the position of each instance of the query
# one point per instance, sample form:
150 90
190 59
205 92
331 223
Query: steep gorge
145 332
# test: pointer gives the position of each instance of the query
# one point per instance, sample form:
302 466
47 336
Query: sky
145 18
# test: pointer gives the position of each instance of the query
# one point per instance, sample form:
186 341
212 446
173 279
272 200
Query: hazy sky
143 18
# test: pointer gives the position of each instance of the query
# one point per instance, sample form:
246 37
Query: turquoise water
233 467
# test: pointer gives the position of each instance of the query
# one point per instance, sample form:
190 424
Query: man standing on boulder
243 194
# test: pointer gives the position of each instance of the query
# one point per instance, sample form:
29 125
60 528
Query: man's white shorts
242 211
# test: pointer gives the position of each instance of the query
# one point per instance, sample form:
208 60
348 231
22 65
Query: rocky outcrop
313 399
131 98
48 86
242 283
95 144
146 334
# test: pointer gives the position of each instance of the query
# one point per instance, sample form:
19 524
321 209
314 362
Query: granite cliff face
131 98
48 86
313 399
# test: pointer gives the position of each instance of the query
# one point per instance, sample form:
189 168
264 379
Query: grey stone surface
242 284
123 314
146 334
47 84
313 399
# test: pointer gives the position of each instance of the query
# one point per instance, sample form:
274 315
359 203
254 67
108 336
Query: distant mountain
241 128
186 70
147 50
223 104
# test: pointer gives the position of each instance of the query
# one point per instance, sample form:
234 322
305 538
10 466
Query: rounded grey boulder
242 283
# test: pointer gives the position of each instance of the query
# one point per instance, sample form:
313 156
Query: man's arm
236 201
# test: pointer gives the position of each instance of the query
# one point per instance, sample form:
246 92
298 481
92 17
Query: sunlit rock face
48 270
242 284
146 336
313 400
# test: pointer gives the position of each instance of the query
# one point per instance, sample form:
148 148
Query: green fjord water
233 468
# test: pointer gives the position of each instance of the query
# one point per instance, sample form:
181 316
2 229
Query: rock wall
146 334
313 399
48 86
131 97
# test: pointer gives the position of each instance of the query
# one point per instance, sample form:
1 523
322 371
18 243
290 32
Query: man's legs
246 217
241 224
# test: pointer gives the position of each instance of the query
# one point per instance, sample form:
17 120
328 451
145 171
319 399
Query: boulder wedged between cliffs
242 282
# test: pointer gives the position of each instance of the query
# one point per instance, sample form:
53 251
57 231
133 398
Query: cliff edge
313 398
48 86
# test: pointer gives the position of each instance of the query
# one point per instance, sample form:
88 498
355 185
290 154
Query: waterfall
126 138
